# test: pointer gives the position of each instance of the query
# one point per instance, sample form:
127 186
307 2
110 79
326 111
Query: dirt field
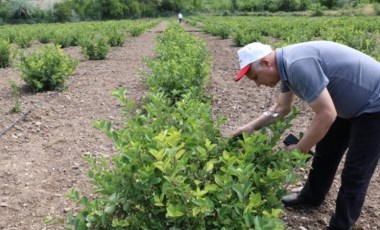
40 155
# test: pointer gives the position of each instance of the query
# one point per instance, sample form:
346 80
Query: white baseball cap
249 54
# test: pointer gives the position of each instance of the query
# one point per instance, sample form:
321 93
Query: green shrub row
183 63
174 169
361 33
70 34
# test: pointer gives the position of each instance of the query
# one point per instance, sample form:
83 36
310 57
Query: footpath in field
241 102
41 156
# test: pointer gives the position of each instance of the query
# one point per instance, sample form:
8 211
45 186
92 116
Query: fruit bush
182 63
95 47
24 39
5 53
175 170
116 37
47 69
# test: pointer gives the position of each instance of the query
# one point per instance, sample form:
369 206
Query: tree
111 9
234 5
4 12
62 11
328 3
20 9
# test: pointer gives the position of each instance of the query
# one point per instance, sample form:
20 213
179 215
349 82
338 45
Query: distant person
342 86
180 16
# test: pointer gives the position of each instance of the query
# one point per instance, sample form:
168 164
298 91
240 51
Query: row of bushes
71 34
361 33
174 169
48 68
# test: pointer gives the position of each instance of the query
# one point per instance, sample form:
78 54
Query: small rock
4 204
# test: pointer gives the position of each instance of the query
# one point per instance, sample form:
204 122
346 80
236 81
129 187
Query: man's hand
235 133
291 147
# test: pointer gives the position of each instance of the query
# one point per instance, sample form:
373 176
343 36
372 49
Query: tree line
13 11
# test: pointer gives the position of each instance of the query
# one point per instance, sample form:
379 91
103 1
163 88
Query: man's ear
265 62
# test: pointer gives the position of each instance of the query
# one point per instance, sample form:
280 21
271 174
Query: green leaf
110 208
210 165
249 219
173 211
219 180
159 155
238 188
179 154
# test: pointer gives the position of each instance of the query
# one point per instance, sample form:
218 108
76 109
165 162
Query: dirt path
40 157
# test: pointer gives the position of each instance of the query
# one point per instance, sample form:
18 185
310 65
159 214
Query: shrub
176 171
16 97
24 39
96 47
20 9
5 53
376 8
317 10
47 69
137 30
63 38
219 29
245 36
116 37
44 36
62 11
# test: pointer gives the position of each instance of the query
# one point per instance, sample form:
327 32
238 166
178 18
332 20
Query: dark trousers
361 136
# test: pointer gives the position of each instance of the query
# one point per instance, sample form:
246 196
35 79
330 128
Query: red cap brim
242 72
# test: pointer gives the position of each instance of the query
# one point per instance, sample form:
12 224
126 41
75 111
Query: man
180 16
342 87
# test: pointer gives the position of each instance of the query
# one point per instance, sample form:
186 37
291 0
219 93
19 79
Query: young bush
376 8
137 30
24 39
63 38
5 53
96 47
47 69
116 37
176 171
44 36
16 97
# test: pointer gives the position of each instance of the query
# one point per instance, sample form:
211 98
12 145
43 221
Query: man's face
264 75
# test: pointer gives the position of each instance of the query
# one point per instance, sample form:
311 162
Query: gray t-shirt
351 77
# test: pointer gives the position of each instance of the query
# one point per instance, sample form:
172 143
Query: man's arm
282 107
325 115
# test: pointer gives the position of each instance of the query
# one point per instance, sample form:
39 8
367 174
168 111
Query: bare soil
41 148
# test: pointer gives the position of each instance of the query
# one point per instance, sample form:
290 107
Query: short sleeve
307 78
